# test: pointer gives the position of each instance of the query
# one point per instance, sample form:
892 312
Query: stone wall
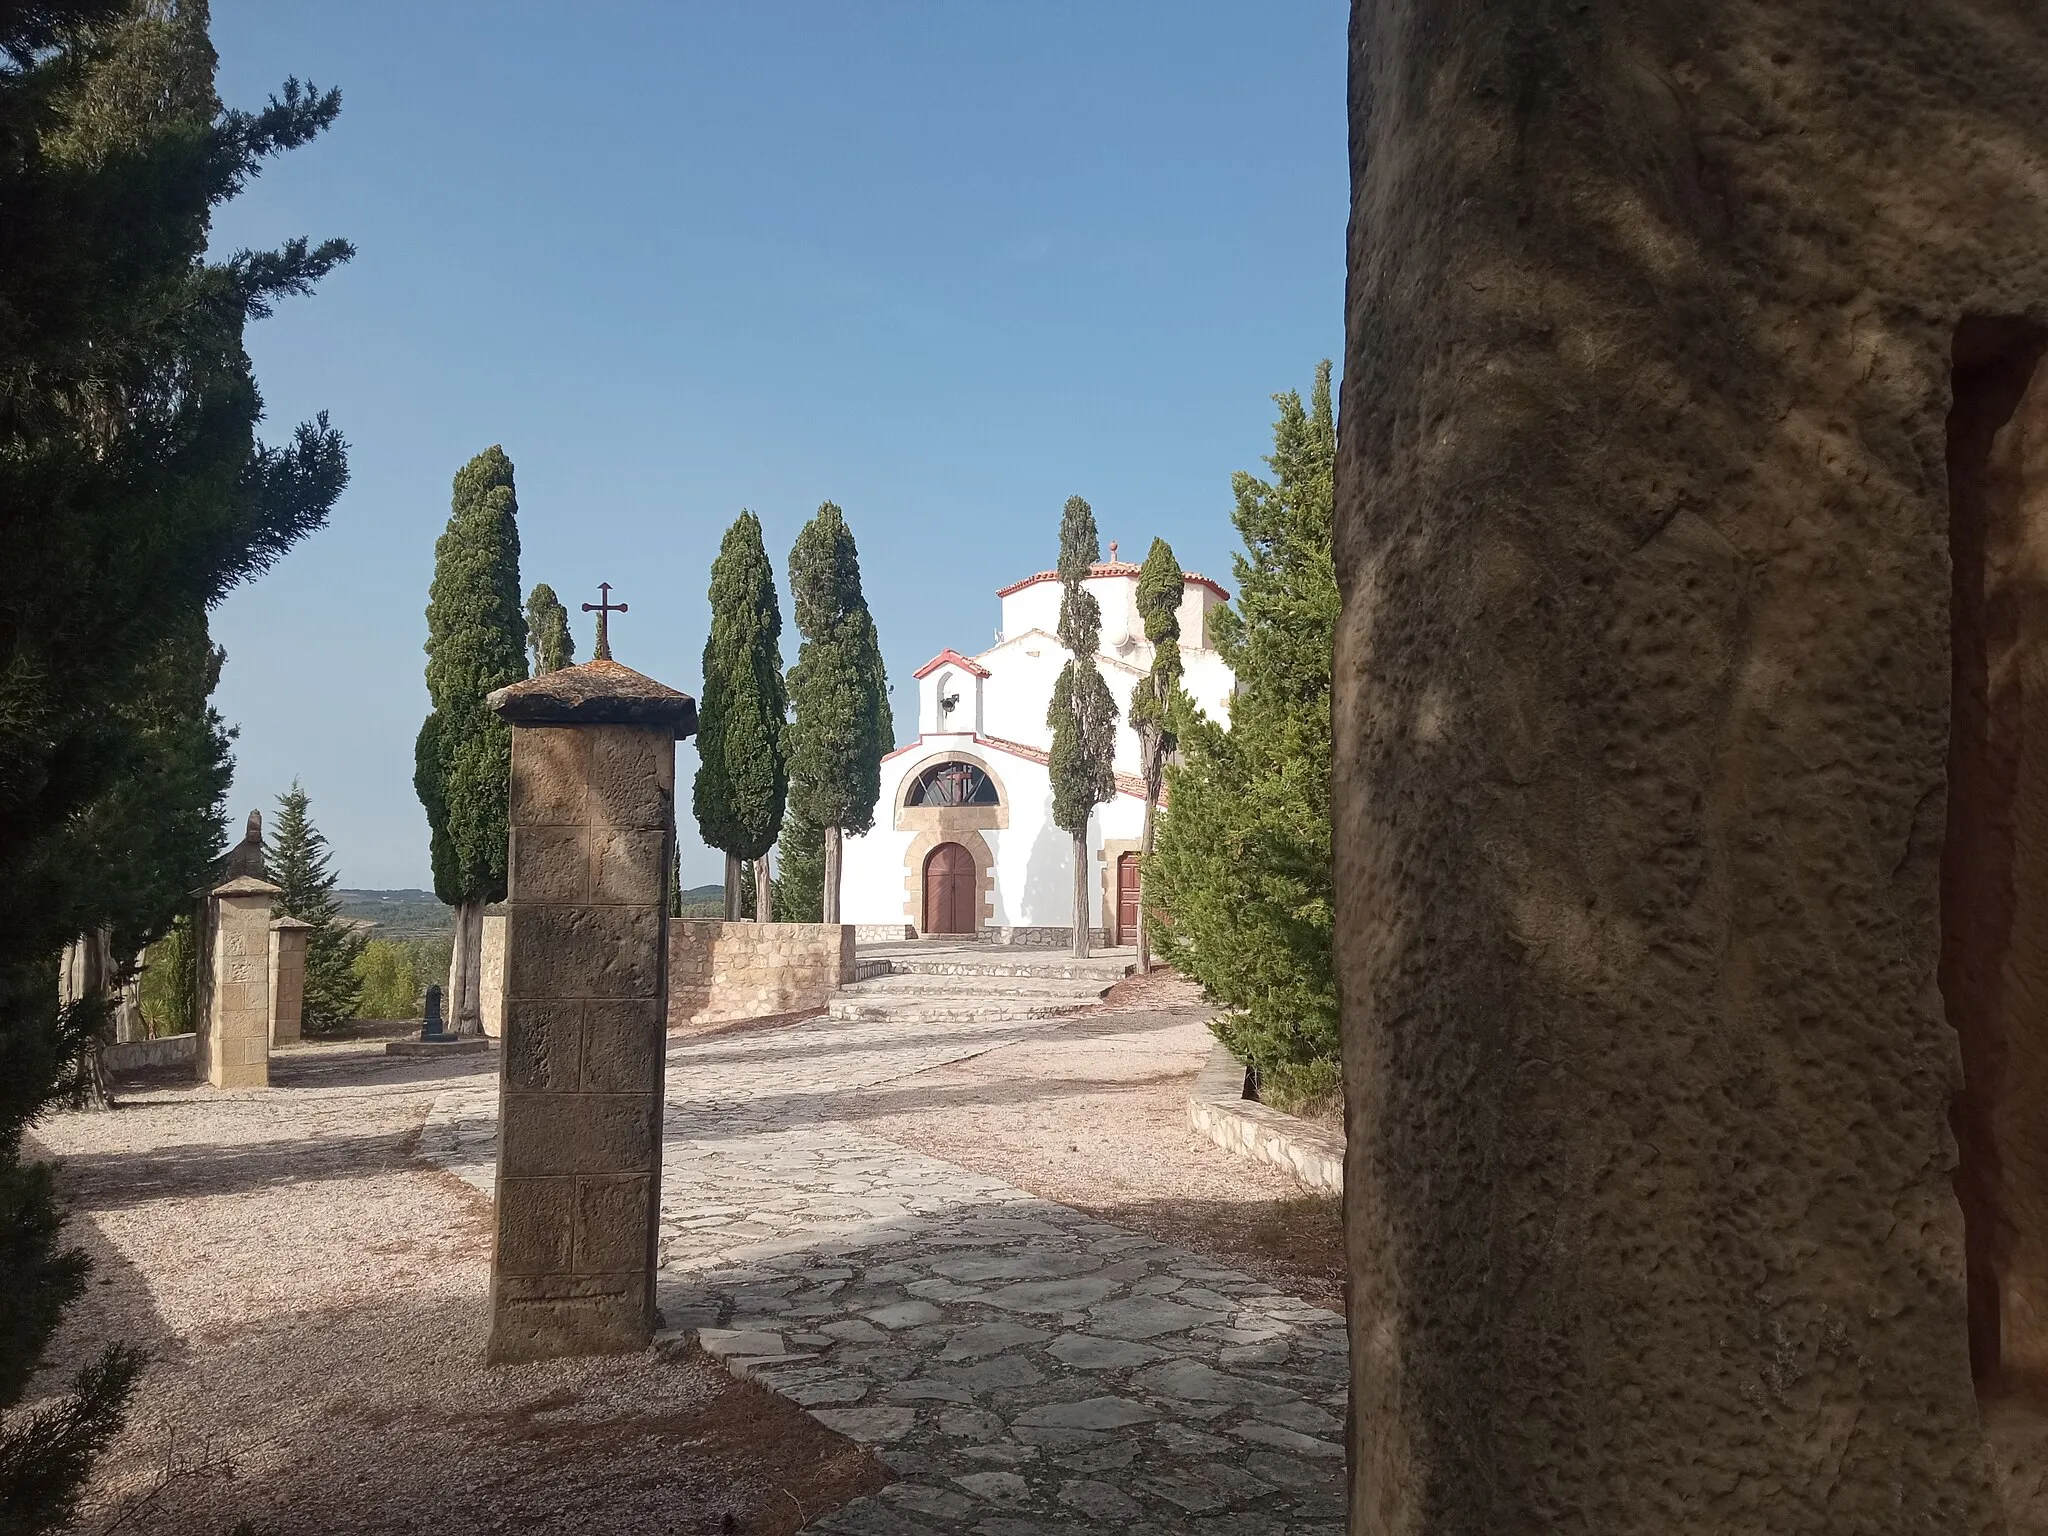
720 971
1655 321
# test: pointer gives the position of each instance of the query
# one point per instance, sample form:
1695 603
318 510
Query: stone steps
922 984
961 1010
953 964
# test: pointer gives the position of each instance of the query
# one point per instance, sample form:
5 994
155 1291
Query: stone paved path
1024 1368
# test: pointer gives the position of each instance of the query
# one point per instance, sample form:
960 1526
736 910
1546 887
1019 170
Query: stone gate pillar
586 1009
236 1050
288 939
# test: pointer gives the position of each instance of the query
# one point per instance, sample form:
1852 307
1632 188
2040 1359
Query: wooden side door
949 890
1127 898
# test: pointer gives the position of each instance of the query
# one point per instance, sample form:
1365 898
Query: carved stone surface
1642 731
237 1035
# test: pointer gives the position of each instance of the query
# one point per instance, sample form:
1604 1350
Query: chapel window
953 784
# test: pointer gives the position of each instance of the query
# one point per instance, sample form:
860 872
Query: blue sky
944 264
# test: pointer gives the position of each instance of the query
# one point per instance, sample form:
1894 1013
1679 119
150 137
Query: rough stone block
614 1223
632 777
622 1047
563 1133
546 1317
543 1046
630 866
549 864
571 952
534 1226
550 769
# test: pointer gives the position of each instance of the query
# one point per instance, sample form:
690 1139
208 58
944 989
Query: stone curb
163 1051
1218 1110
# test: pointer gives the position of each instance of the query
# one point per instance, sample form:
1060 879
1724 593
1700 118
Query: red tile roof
951 657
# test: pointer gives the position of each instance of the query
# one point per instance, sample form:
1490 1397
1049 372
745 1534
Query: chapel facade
964 840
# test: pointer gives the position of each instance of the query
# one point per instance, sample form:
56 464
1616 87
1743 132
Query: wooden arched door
1127 898
951 890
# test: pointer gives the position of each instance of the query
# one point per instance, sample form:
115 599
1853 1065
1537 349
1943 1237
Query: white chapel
964 840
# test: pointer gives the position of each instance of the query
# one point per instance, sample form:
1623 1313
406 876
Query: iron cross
604 610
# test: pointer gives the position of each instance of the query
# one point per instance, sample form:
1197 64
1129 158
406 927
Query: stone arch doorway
952 890
1994 864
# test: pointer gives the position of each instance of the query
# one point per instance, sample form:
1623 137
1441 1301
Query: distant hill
418 915
398 914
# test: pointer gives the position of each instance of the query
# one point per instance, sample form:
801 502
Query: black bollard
434 1029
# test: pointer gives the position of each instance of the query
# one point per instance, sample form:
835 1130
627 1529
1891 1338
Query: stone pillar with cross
586 1007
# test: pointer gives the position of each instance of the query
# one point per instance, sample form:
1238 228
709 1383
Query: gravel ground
1093 1114
313 1296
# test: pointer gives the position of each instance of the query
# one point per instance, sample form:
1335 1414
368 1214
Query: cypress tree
135 495
839 689
741 781
1082 713
547 631
1156 701
799 866
297 860
1243 862
462 762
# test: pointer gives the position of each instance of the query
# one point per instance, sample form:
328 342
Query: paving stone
1084 1352
1145 1317
969 1423
1104 1458
1306 1417
1053 1295
991 1339
1030 1264
844 1389
1287 1440
1098 1501
1182 1441
1088 1413
905 1314
1194 1382
1007 1455
996 1487
985 1375
1286 1472
940 1502
854 1330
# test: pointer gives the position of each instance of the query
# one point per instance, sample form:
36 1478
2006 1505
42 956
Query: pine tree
297 858
547 631
741 779
134 494
462 762
1156 701
1242 868
1082 713
799 867
840 692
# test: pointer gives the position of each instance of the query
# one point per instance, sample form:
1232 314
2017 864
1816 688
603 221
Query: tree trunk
88 969
732 887
458 1016
764 896
1081 896
830 912
1144 863
473 974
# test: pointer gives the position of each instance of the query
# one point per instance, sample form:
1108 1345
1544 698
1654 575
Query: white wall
1033 858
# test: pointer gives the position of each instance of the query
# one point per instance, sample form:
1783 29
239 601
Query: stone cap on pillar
596 693
288 922
246 885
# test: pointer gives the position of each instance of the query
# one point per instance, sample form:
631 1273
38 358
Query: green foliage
476 642
839 688
798 884
390 985
134 494
742 782
1242 867
1156 700
297 860
169 986
46 1454
1082 713
547 631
